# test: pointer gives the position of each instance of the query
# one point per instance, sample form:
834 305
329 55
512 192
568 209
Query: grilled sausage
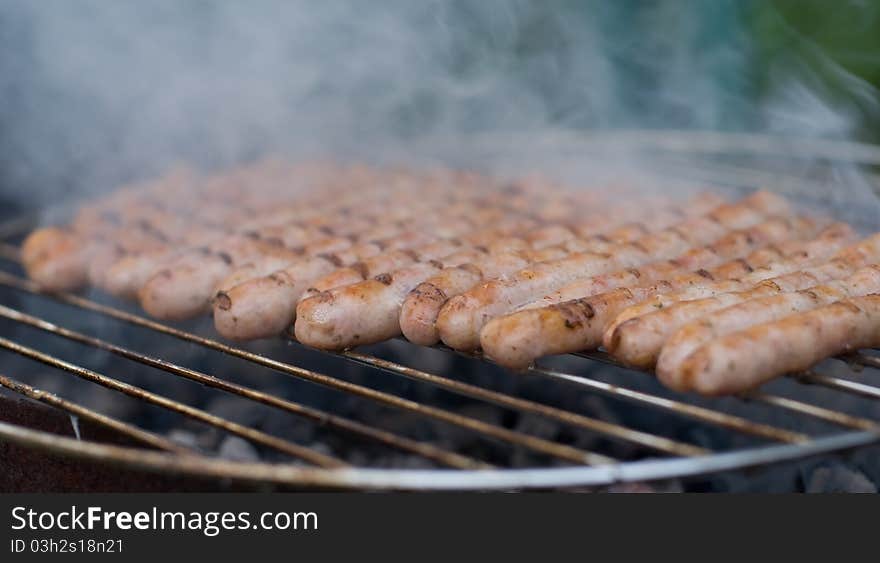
829 245
637 341
517 339
131 272
418 315
362 313
178 291
756 311
67 258
621 223
125 277
325 229
379 264
377 308
737 243
177 283
56 259
461 319
374 324
395 237
232 312
184 287
264 307
744 360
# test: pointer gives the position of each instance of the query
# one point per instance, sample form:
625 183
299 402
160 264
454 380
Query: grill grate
659 456
604 469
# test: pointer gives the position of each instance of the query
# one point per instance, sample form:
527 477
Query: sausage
130 273
259 267
67 258
184 287
125 277
56 259
314 231
365 257
264 265
379 264
179 290
179 286
737 243
579 324
461 319
756 311
262 311
637 341
618 224
378 310
744 360
517 339
264 307
361 313
418 314
231 313
623 221
832 240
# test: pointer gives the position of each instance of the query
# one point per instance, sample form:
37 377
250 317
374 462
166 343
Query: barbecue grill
808 414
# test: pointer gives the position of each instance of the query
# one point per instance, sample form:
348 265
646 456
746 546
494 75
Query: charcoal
292 428
237 409
454 436
838 478
183 437
405 462
537 426
672 486
321 448
234 448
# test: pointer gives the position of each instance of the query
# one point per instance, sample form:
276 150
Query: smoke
95 93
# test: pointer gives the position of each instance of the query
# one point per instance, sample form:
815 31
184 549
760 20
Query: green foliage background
815 37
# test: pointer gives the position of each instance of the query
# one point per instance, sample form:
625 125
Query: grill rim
436 479
463 479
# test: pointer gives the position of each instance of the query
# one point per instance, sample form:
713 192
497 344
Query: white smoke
99 92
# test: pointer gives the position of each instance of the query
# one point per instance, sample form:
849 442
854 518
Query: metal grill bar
652 441
256 436
839 418
708 415
74 409
839 384
700 413
864 360
834 417
425 450
645 470
540 445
